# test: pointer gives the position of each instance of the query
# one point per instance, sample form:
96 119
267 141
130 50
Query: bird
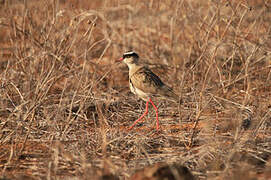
145 84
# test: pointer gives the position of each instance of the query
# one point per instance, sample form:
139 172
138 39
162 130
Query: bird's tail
169 93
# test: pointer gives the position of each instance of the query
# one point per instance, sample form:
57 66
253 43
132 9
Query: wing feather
145 80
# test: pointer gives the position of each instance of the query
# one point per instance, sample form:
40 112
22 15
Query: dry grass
65 105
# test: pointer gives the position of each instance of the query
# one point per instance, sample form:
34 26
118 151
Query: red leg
146 111
156 112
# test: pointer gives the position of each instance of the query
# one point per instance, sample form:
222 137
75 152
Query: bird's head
129 58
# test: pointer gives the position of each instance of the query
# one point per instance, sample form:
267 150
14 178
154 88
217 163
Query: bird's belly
138 92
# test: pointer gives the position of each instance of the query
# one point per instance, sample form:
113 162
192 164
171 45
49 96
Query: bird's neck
132 66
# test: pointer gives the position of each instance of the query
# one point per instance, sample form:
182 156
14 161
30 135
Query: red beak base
120 59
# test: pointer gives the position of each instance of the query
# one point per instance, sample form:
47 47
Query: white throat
131 66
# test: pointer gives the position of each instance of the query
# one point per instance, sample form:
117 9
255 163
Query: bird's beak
120 59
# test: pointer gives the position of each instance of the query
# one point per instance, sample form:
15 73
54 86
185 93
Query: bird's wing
145 80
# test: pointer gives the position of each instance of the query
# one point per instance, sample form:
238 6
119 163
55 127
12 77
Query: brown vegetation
65 105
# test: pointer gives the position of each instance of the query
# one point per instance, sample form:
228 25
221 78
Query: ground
65 103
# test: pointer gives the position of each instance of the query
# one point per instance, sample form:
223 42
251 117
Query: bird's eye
126 56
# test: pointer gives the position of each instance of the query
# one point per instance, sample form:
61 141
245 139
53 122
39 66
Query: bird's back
146 81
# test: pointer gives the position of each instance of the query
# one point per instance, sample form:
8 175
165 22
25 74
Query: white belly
138 92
